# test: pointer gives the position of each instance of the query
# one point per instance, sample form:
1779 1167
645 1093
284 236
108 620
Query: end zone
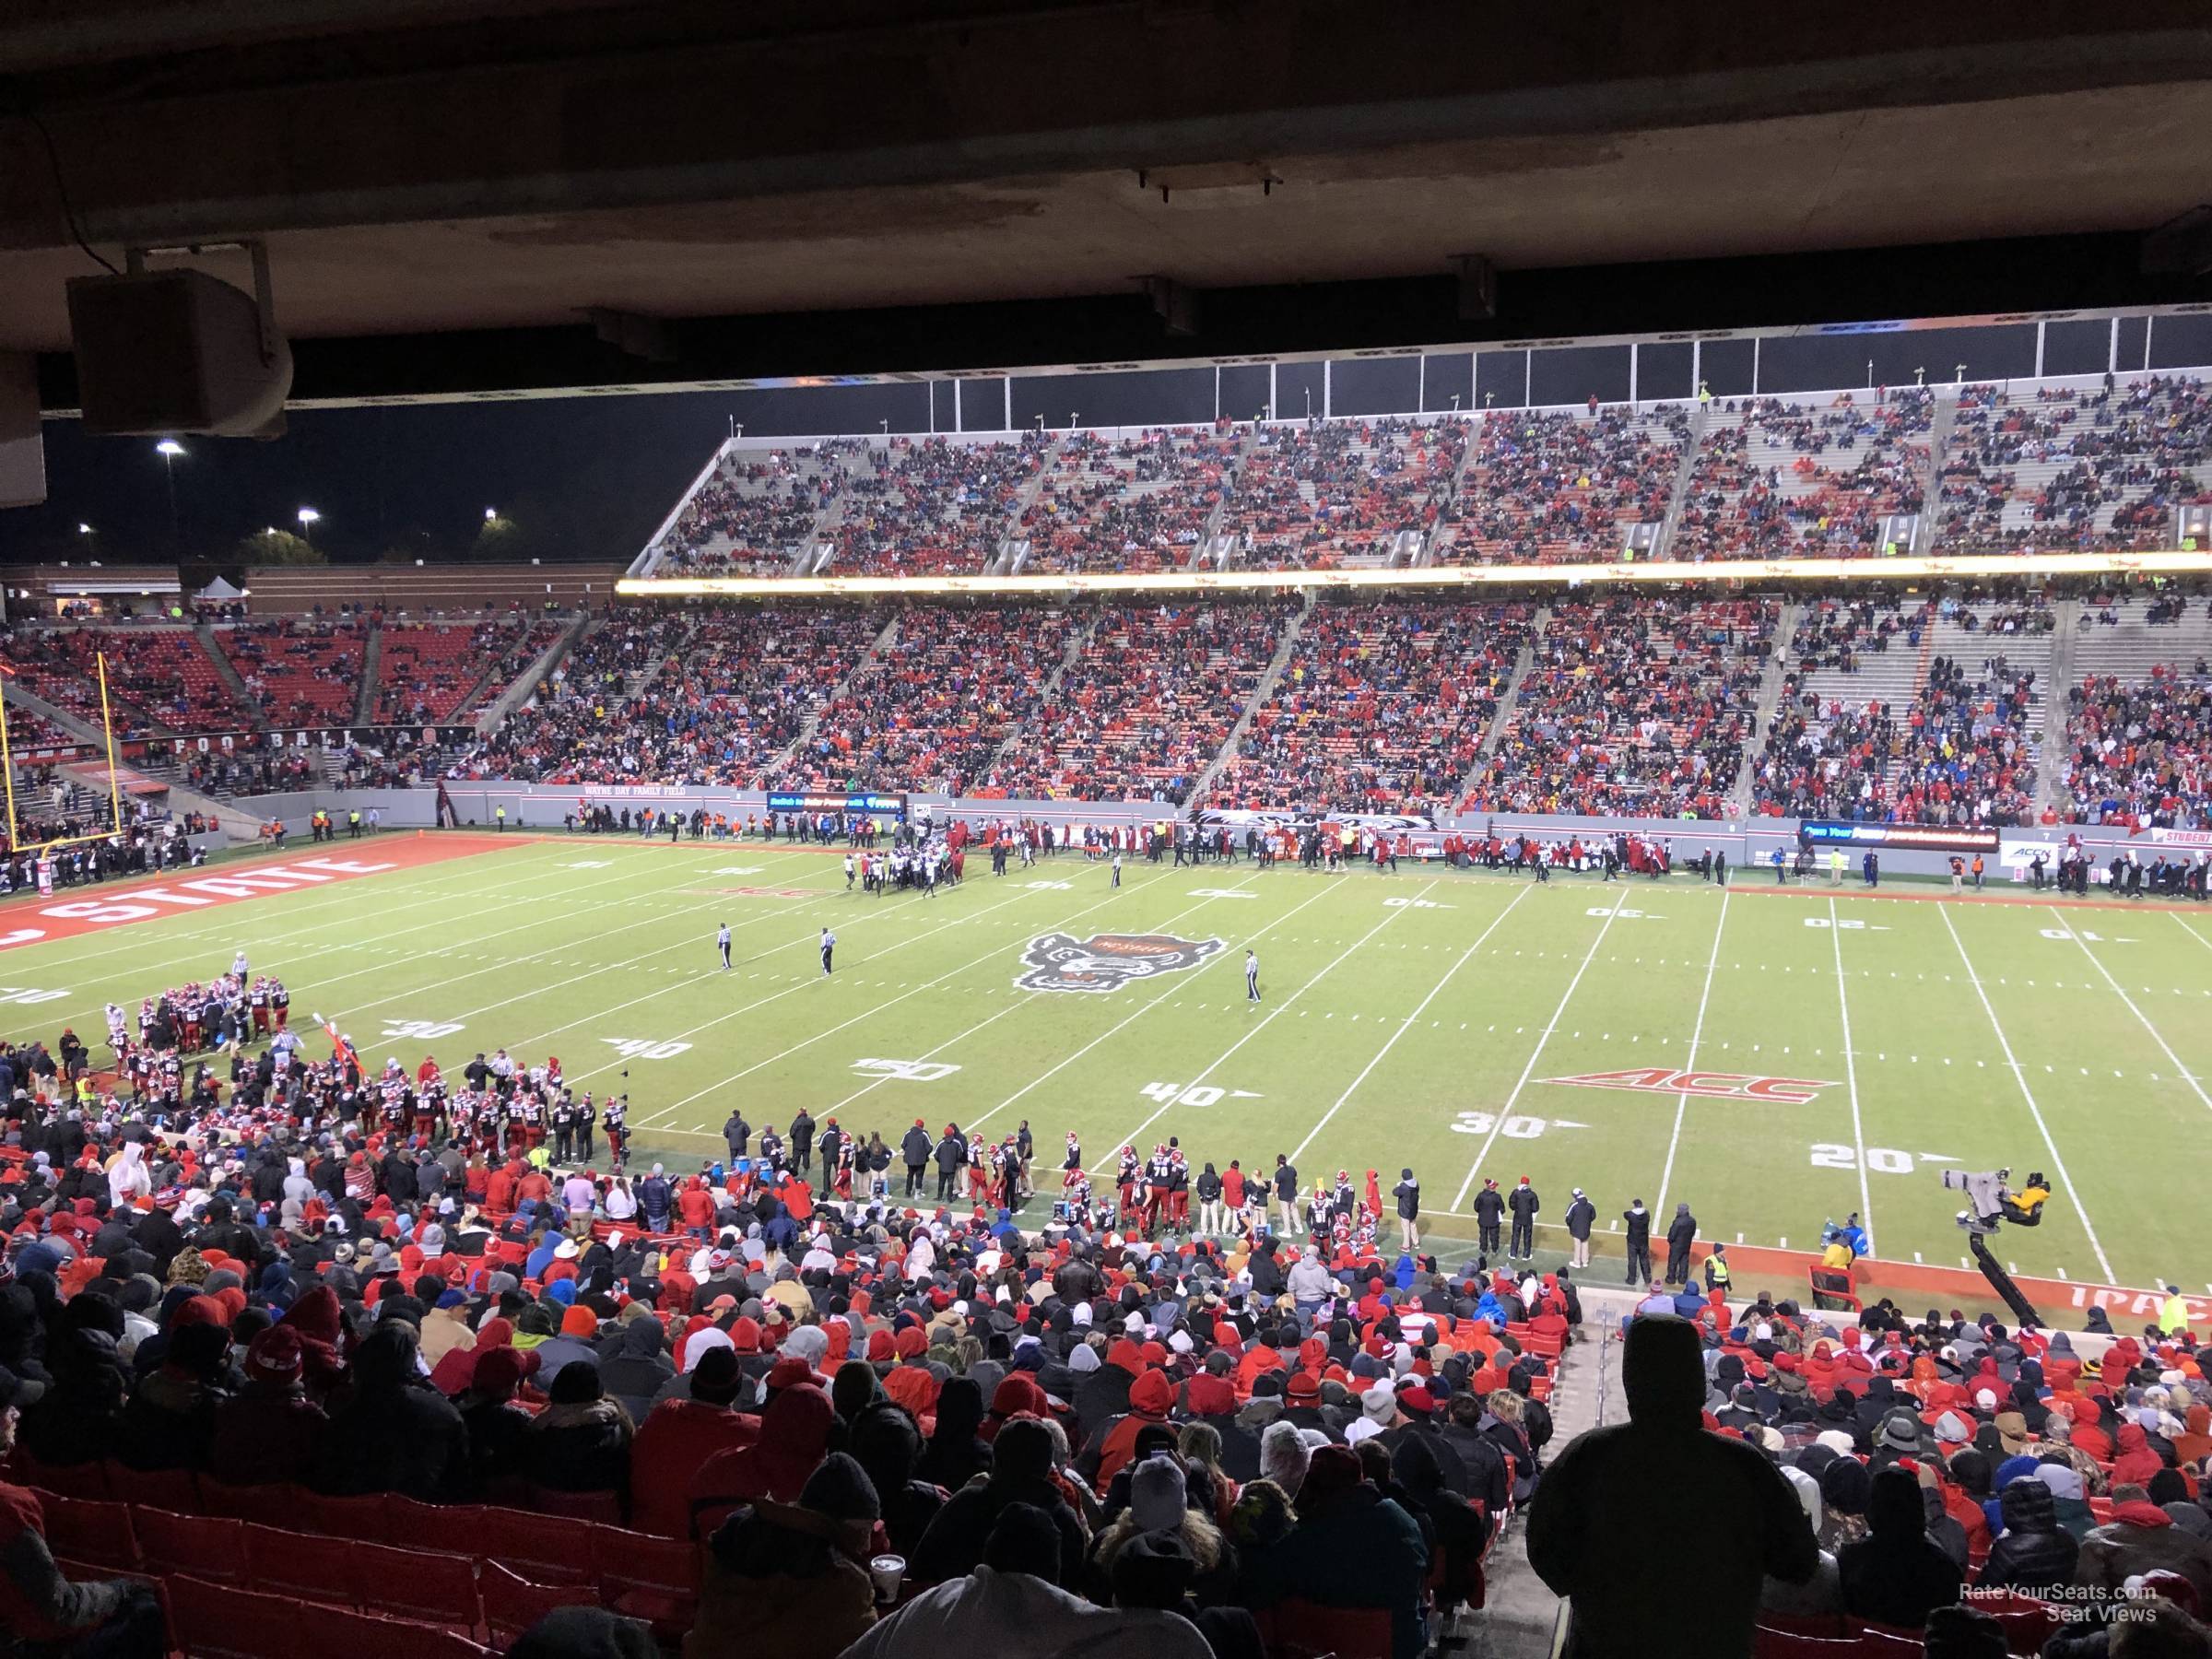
44 921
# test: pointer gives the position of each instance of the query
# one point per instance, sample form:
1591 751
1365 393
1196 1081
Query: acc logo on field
1713 1085
1105 962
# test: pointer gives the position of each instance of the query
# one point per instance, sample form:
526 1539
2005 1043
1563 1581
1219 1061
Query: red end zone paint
43 922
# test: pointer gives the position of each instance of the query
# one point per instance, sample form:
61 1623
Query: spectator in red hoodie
679 1436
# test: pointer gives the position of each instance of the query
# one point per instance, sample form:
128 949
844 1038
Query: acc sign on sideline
68 918
1712 1086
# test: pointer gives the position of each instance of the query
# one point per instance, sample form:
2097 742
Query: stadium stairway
2067 647
373 655
1945 415
1011 549
527 683
1680 493
228 674
1258 701
1078 641
1506 698
1203 551
1777 670
837 694
1437 531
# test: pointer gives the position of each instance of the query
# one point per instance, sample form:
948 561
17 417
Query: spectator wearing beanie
2141 1537
497 1427
265 1434
1022 1473
169 1422
677 1436
2034 1555
1351 1548
579 1329
955 1454
446 1327
581 1442
788 1579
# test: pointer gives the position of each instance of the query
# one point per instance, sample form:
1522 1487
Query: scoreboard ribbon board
851 806
1916 838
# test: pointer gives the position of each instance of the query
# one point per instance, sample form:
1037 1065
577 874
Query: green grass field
1422 1019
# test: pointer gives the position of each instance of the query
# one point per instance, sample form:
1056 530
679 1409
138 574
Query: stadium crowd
1547 488
1128 504
1852 464
1639 706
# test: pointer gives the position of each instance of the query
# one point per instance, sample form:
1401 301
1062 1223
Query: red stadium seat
362 1516
1882 1642
1768 1642
308 1566
644 1577
416 1584
171 1490
513 1604
219 1621
86 1529
247 1502
199 1546
71 1480
545 1549
604 1507
2029 1623
1305 1630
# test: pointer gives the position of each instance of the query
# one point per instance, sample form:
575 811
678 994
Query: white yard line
2180 923
1538 1053
2021 1076
1271 1015
1407 1023
997 950
2187 1076
1850 1078
1697 1032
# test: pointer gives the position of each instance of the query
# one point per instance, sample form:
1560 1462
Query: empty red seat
71 1480
513 1604
604 1507
1768 1642
202 1547
220 1621
362 1516
546 1549
644 1577
86 1529
308 1566
416 1584
172 1489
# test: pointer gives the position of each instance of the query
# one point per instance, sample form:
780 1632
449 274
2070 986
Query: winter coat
581 1447
406 1439
2141 1537
1360 1549
2034 1555
954 1543
638 1368
771 1587
1581 1216
265 1435
1895 1575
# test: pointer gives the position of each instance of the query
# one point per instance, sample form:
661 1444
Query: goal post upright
107 730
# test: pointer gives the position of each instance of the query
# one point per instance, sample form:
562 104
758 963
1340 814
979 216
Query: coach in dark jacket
914 1150
1681 1233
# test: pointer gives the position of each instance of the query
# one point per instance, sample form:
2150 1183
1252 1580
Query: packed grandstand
405 1359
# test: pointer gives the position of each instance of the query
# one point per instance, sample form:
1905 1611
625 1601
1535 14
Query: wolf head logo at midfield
1105 962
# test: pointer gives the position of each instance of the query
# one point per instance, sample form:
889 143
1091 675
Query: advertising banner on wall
1915 838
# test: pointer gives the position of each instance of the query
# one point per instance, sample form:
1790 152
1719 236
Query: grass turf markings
1407 1023
2186 1074
1689 1064
2019 1074
1113 893
1536 1053
1851 1076
1269 1019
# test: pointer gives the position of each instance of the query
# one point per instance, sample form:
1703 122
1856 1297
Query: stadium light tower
168 449
491 515
308 519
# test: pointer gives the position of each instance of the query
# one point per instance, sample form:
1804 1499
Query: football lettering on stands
906 1071
426 1030
18 994
638 1048
1712 1086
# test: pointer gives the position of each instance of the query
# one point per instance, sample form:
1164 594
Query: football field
1773 1057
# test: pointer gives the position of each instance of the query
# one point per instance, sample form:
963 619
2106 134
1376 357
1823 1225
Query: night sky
589 478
